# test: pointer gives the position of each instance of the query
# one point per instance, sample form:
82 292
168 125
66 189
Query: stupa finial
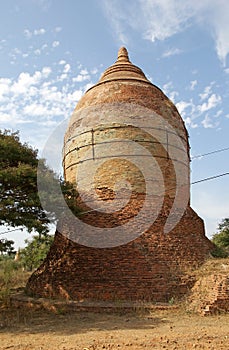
123 55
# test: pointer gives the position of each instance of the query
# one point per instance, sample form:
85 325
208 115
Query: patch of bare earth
174 328
43 330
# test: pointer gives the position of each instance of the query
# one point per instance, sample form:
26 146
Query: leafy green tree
20 203
35 252
221 238
6 247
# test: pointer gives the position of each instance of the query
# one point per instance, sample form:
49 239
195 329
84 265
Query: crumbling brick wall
210 293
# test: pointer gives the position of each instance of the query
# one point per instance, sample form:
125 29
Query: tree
35 252
221 238
6 247
20 204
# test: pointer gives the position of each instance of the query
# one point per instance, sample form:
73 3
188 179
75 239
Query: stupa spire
123 69
123 55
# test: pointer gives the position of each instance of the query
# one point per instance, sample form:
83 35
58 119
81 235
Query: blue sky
52 51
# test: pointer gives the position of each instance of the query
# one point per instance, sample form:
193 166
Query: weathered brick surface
151 267
210 293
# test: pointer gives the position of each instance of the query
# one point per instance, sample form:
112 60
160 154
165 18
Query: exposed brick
210 294
153 266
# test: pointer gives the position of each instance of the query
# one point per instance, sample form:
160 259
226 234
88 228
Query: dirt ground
177 329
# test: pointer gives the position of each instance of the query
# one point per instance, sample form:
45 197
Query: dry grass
213 266
12 277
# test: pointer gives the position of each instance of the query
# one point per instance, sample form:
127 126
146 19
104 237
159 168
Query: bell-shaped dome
124 129
123 82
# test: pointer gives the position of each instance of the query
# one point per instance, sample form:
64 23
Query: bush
219 252
221 239
11 276
35 252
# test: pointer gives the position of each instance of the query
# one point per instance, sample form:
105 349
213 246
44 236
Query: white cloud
45 46
24 84
118 17
212 102
207 91
80 78
94 71
63 77
58 29
88 86
219 17
37 52
156 20
218 113
207 122
193 84
183 105
205 106
4 86
25 80
35 109
189 123
37 99
46 71
84 71
75 96
40 31
44 4
17 51
55 43
169 91
172 52
5 117
28 33
161 19
67 68
187 112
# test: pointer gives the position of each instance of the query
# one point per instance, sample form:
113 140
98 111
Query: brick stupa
124 105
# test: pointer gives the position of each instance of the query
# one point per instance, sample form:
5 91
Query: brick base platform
150 268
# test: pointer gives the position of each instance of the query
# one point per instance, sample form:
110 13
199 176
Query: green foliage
219 252
6 247
20 203
221 238
55 193
7 268
35 252
12 276
171 301
224 225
